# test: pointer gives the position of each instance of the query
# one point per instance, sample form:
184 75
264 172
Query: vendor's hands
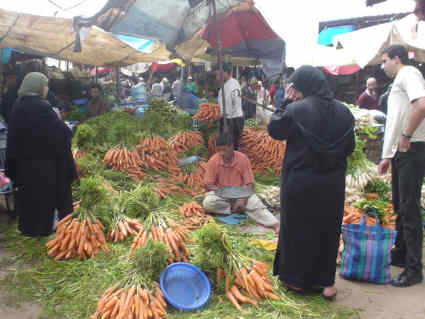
404 144
239 205
293 94
383 166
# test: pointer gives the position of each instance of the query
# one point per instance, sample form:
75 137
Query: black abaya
40 163
319 134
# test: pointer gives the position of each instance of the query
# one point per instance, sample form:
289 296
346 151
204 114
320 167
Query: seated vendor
232 168
97 105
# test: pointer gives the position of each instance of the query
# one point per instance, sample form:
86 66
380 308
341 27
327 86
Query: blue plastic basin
185 286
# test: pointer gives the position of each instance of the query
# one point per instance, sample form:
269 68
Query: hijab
310 81
32 84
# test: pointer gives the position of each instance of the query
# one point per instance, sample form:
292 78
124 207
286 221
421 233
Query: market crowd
319 135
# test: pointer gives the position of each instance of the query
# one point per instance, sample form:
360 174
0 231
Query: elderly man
232 168
404 150
369 98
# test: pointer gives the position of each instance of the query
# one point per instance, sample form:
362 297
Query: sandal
331 296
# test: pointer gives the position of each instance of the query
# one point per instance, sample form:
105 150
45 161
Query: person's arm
210 178
281 125
416 116
211 188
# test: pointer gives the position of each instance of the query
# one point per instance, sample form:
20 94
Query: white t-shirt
232 96
409 85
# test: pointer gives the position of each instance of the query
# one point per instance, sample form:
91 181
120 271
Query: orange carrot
233 300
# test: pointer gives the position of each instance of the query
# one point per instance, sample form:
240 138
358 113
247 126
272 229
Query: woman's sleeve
281 125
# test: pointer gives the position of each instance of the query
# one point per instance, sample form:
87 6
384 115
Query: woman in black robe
319 134
39 159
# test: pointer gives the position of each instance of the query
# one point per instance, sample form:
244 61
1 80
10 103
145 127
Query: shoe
403 280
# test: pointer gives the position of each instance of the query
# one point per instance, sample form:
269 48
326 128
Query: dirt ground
382 301
372 301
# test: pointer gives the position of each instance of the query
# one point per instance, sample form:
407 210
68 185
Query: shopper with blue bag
367 251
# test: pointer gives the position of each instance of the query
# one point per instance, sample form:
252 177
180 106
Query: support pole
220 66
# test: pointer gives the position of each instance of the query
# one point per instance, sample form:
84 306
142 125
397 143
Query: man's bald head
371 83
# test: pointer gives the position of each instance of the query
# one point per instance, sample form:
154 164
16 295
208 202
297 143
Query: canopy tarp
54 37
187 27
366 45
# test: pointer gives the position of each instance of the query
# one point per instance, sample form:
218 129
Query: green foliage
379 187
92 192
75 115
150 259
120 181
140 201
358 159
270 179
85 137
90 165
250 123
377 203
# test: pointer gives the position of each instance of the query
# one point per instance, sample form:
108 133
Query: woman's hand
293 94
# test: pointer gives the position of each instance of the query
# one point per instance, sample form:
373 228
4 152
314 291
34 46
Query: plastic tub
185 286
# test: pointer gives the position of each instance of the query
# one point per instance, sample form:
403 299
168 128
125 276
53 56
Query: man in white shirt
233 107
404 150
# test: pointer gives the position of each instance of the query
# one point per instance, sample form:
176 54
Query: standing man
96 105
369 98
404 150
232 96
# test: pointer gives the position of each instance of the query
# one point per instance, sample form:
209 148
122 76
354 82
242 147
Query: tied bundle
155 153
208 112
122 227
245 279
194 215
77 235
122 159
161 228
263 151
135 298
185 140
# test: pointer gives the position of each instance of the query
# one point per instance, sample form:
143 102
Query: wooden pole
220 66
95 74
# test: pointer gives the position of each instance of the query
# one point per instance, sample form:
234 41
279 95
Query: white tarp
366 45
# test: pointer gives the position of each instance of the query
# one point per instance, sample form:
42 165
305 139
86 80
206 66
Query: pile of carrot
123 227
155 153
353 215
194 215
263 151
76 154
185 140
131 301
122 159
77 236
208 112
135 173
247 285
195 180
170 233
167 188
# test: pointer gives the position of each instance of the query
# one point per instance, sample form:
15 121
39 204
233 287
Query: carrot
227 283
258 282
220 300
271 296
233 300
219 274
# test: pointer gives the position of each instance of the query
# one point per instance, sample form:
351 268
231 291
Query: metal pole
95 74
220 66
117 78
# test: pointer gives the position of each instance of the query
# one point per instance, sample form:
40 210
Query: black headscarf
310 81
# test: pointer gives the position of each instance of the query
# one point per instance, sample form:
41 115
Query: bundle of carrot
263 151
135 173
166 187
185 140
134 298
195 180
123 227
122 159
77 235
194 215
208 112
161 228
155 153
245 279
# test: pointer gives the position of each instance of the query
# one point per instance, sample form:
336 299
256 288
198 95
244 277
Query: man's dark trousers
408 170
